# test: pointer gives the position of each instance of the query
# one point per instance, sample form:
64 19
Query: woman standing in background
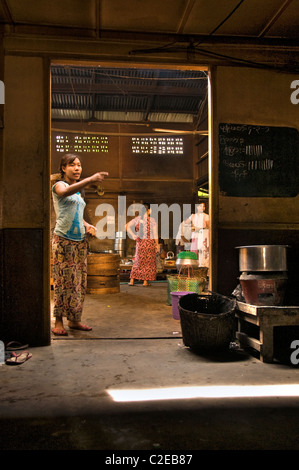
200 234
147 244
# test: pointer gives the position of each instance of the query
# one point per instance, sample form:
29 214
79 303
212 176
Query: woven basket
179 283
207 321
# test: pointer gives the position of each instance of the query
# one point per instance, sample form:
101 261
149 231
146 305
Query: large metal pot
254 258
120 243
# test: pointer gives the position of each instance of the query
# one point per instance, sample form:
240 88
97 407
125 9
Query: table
265 318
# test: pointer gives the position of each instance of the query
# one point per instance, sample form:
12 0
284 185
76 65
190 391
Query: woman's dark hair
145 207
66 160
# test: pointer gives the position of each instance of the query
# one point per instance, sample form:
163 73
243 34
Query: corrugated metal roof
129 94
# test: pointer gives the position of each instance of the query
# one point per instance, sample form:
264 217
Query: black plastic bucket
207 321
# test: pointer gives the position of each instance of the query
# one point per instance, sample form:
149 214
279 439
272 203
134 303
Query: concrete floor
59 399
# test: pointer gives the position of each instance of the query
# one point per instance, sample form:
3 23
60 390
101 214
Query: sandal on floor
59 332
17 359
81 327
15 346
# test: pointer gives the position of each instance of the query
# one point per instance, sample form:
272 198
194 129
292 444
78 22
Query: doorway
149 128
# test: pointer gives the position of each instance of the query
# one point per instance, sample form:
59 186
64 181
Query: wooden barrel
103 273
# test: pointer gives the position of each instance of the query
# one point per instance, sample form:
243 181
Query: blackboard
258 161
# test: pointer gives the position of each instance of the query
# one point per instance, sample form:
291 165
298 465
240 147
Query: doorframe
212 162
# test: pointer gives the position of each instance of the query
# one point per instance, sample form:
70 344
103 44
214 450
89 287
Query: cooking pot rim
261 246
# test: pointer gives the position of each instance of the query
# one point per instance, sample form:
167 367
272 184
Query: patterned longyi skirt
69 277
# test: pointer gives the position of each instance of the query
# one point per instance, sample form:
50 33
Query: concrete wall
261 97
25 202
